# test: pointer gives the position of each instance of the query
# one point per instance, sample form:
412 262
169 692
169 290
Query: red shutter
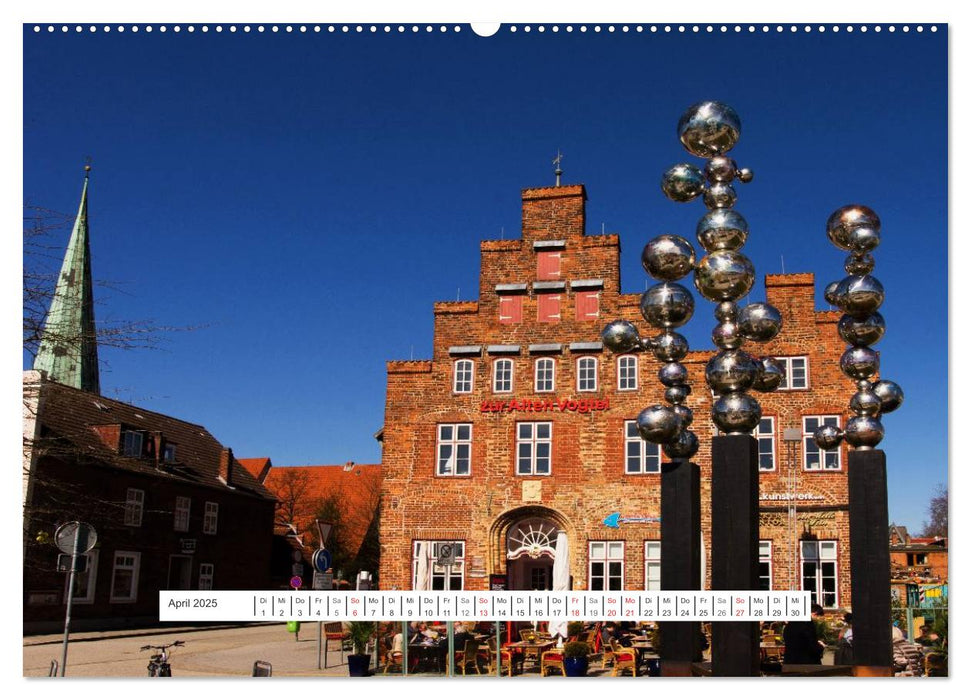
511 309
548 265
588 306
548 308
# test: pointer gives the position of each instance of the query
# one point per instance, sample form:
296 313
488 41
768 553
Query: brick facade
587 480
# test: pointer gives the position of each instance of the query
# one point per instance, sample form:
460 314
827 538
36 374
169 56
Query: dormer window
168 452
131 443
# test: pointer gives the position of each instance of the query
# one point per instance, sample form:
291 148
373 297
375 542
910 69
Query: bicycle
158 665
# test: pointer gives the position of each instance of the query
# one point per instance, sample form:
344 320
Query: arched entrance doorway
524 546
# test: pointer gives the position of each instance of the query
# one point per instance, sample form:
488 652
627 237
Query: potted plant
574 630
360 634
575 658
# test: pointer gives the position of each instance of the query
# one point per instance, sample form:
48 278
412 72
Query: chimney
226 465
554 213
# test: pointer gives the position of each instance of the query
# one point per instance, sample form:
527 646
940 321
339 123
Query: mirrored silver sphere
845 219
620 336
859 295
727 336
724 275
721 169
722 229
864 239
830 294
864 432
859 264
685 413
667 305
730 371
673 373
709 129
677 394
682 182
745 175
828 437
726 311
771 374
668 257
860 362
736 413
760 322
658 424
865 403
890 393
670 347
720 195
684 446
862 331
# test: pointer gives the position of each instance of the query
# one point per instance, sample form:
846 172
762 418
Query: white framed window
765 434
819 571
84 582
797 373
210 520
463 376
454 449
134 507
587 374
124 577
131 443
640 456
534 445
652 565
205 576
627 373
765 565
444 576
182 506
545 375
815 459
502 372
606 569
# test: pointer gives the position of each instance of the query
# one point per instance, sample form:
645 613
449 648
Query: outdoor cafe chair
624 658
552 660
469 655
334 631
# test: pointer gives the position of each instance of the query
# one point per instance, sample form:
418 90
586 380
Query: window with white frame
210 520
463 374
765 434
640 456
819 569
444 576
502 370
545 375
182 506
587 374
454 449
627 373
765 565
205 576
84 582
797 373
652 565
814 458
606 570
134 507
534 443
131 443
124 577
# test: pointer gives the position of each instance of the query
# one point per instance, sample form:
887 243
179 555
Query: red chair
552 660
334 631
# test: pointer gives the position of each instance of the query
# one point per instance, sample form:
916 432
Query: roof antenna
458 293
559 170
412 351
782 257
502 232
603 228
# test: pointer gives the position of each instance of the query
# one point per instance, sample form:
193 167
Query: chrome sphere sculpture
856 228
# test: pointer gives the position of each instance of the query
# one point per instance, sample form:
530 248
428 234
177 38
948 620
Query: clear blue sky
307 197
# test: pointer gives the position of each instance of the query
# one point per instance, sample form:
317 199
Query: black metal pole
870 563
680 561
734 548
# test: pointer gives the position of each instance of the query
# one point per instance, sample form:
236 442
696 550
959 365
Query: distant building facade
521 426
918 569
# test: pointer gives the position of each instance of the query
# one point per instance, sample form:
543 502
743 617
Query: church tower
68 350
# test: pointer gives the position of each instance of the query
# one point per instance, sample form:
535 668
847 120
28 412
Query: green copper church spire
69 345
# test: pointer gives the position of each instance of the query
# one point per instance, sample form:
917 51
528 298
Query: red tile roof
257 466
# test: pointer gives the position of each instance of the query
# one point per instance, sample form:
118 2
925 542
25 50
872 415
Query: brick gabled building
520 426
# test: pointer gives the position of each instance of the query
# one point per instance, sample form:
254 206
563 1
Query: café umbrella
561 581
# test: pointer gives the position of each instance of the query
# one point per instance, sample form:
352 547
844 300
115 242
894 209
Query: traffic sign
322 581
296 582
75 537
322 560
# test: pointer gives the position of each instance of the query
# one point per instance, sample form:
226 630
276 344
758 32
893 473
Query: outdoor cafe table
428 656
523 647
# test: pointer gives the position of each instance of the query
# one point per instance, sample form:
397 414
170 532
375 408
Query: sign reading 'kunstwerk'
545 405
